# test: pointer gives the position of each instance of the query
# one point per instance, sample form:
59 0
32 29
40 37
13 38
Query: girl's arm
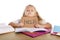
43 24
14 25
47 25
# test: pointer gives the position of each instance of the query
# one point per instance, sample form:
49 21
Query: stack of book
5 28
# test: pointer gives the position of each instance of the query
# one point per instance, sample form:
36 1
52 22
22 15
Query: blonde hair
39 18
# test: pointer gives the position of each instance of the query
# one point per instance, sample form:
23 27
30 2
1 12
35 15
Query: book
5 28
56 29
34 34
29 29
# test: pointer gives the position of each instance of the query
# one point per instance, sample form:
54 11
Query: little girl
30 19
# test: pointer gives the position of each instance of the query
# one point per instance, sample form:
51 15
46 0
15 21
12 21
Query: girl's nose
30 11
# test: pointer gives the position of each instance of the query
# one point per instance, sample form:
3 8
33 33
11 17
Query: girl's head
30 11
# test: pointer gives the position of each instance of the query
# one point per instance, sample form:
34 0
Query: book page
29 29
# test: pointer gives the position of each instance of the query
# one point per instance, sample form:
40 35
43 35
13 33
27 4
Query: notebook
5 28
35 34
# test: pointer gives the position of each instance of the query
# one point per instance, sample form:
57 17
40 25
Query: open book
5 28
29 29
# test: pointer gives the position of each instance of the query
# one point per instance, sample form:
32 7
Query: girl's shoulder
16 21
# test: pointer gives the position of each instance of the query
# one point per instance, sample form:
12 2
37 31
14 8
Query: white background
11 10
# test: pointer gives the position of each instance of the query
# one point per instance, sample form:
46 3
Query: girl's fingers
36 26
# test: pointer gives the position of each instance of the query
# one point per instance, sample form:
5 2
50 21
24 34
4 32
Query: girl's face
30 11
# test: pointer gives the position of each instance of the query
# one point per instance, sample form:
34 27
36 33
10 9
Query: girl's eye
32 10
27 10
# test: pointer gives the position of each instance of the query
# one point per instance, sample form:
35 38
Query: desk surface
14 36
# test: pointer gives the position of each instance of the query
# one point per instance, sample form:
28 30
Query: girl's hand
38 26
20 24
